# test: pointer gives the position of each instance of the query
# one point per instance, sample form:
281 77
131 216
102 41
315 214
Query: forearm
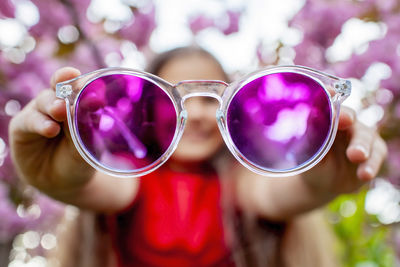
80 185
279 199
285 198
102 193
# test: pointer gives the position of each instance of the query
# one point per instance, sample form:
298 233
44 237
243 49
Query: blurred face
201 138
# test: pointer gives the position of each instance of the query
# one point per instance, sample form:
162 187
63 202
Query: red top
175 220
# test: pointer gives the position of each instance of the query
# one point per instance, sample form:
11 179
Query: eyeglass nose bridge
207 88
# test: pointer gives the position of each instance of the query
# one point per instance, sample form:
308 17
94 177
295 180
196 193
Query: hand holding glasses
279 121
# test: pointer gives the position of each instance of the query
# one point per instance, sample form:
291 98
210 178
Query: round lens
280 121
125 122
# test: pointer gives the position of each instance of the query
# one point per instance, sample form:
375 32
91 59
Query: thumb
63 74
347 118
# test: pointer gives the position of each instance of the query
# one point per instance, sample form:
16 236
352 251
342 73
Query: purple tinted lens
125 122
280 121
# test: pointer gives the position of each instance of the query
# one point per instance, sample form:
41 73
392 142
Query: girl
194 210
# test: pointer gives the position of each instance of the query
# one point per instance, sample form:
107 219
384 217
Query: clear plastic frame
256 93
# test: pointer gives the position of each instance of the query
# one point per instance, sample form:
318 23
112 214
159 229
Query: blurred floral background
358 39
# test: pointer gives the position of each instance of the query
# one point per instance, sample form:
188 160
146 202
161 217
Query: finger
63 74
48 104
369 169
361 143
31 123
346 118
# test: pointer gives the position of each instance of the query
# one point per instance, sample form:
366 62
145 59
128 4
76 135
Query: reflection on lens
280 121
125 122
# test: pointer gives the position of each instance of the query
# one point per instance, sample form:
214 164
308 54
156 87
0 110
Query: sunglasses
279 121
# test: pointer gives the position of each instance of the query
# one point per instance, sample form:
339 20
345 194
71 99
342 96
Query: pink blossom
382 50
29 77
200 22
140 29
310 54
322 21
81 6
355 67
227 23
233 22
53 15
7 9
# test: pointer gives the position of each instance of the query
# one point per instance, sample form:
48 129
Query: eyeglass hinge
65 91
343 87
